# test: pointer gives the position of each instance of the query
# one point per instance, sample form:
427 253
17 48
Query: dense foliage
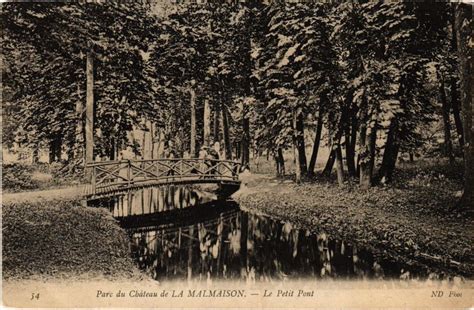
20 177
17 177
368 78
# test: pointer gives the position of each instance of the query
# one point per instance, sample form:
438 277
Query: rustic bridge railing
113 176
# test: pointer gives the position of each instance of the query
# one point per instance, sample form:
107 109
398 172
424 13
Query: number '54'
35 296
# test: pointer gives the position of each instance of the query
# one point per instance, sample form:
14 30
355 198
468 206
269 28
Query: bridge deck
110 178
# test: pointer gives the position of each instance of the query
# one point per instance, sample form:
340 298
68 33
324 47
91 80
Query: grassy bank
414 220
20 177
61 239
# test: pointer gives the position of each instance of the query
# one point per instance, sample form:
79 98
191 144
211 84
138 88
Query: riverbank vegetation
63 240
415 220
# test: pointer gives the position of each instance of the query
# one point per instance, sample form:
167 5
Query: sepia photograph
237 154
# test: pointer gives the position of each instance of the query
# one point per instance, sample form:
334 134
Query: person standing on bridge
216 150
217 156
214 156
124 166
171 163
202 159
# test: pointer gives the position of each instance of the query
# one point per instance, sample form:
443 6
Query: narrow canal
179 233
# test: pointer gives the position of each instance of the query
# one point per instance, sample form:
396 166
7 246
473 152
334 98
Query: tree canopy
366 78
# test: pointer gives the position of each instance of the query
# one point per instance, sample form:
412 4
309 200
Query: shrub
17 177
57 239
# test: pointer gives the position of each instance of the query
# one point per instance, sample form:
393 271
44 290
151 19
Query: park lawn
414 220
21 177
63 240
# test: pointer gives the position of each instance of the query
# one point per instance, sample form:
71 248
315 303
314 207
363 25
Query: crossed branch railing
128 173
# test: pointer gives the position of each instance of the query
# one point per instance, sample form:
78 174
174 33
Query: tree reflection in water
155 199
235 244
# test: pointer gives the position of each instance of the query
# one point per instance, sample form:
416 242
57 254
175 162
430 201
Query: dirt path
66 193
261 183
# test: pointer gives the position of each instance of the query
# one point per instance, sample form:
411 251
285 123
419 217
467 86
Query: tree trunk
225 133
143 144
112 149
89 154
351 140
192 93
448 146
280 163
52 152
330 163
245 139
364 157
349 121
354 128
55 148
79 136
372 148
247 73
148 140
455 104
367 140
216 122
463 33
35 155
152 139
207 122
58 148
277 166
350 152
390 154
365 177
300 149
238 148
358 165
297 166
317 141
339 165
160 152
456 112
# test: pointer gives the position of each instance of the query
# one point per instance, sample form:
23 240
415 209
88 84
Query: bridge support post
129 172
129 203
93 177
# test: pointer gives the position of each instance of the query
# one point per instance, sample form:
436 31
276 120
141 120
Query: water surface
175 236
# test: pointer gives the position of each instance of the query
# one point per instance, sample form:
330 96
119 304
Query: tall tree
61 35
464 38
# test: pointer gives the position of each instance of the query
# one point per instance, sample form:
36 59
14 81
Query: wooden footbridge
110 178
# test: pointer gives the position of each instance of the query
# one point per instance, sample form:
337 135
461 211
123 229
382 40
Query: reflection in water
155 199
175 234
233 244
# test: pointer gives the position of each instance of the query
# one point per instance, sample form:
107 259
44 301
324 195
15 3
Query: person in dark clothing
214 156
171 155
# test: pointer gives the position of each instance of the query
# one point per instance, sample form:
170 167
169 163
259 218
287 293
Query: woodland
375 82
354 119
